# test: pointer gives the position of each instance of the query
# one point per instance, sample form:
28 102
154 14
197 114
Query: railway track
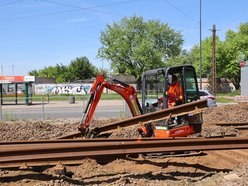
31 153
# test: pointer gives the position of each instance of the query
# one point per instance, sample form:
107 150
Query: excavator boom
126 91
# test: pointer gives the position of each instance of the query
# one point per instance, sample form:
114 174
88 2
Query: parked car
205 94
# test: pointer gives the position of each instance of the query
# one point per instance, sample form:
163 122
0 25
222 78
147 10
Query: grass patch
9 117
224 100
104 96
233 93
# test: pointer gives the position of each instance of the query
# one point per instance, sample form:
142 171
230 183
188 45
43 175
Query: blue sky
39 33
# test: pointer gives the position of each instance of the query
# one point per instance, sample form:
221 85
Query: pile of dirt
226 114
42 129
211 168
35 129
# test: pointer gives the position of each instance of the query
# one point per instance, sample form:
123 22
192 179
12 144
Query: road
65 110
62 110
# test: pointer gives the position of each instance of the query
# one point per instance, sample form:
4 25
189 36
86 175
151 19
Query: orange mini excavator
155 84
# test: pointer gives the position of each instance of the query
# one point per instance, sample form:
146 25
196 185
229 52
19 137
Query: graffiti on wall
62 89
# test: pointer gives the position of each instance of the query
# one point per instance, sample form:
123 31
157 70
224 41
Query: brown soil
211 168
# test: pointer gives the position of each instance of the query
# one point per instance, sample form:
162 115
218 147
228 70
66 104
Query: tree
81 68
206 57
133 46
235 49
184 58
33 73
228 54
62 73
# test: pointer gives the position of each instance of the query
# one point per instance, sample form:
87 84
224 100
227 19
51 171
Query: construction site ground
228 167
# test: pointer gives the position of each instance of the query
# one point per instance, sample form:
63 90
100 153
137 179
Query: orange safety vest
174 93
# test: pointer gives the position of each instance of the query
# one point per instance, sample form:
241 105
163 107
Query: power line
98 6
234 20
82 8
37 15
76 8
178 9
92 8
10 3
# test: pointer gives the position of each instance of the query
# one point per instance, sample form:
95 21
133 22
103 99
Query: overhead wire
37 15
76 8
98 6
82 8
178 9
10 3
234 20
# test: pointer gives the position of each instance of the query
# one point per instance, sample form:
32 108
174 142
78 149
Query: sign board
13 79
29 78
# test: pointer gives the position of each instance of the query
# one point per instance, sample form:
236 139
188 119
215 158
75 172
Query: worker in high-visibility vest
174 93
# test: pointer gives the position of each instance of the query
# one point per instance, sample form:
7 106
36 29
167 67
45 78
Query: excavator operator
174 93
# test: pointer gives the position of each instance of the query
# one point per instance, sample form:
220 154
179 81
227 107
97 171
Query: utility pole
214 82
200 48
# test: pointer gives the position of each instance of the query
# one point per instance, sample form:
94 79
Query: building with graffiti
64 88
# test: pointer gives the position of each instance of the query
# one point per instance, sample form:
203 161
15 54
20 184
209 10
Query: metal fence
42 108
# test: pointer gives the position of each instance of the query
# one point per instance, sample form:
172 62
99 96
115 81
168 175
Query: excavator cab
155 84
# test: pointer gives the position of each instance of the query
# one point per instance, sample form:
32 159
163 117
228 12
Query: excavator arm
126 91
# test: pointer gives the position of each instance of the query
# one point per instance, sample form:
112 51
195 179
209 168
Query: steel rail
15 155
174 111
228 124
87 140
242 128
178 110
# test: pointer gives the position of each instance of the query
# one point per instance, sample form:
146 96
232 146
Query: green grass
233 93
227 97
38 98
224 100
9 117
104 96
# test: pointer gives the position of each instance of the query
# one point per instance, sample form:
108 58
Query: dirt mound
229 113
35 130
211 168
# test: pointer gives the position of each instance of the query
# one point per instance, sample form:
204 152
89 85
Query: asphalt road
65 110
62 110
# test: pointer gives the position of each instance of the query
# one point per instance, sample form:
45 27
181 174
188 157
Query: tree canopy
228 54
133 45
78 69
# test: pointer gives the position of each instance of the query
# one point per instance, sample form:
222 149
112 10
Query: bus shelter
16 89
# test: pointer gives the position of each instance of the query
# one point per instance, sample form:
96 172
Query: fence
43 108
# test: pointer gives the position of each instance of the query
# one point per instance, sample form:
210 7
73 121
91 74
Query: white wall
244 81
62 88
